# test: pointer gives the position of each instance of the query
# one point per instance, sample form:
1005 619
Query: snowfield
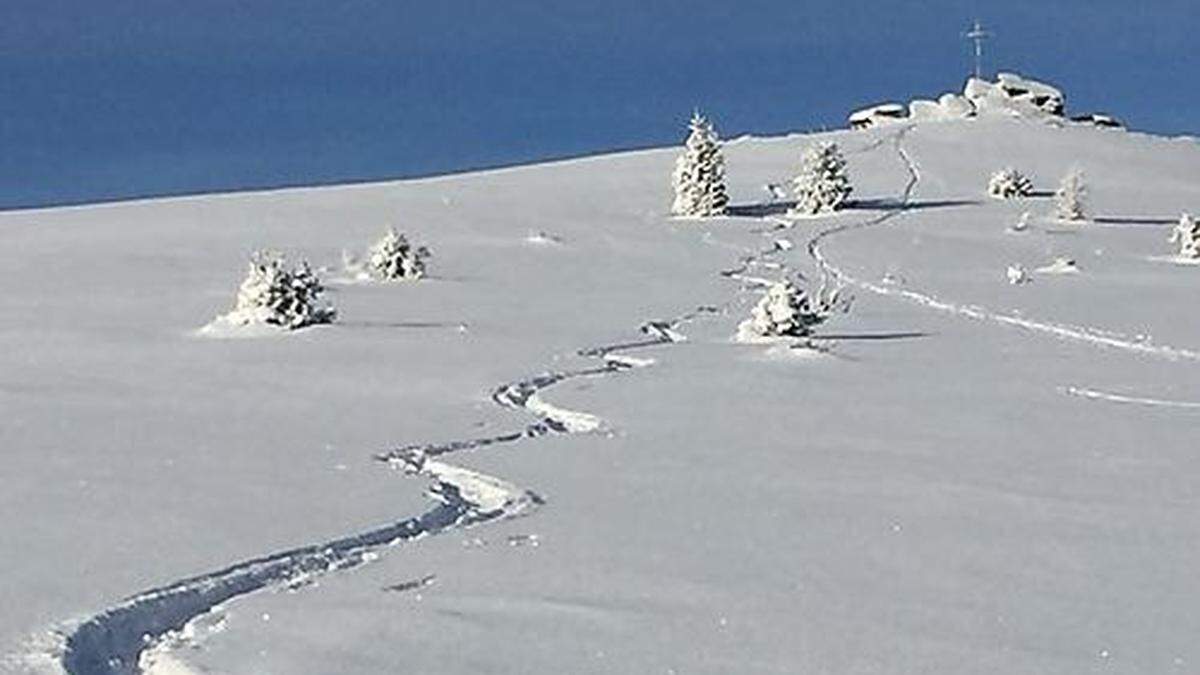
551 455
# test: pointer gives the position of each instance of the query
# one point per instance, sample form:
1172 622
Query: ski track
115 641
1097 395
1088 335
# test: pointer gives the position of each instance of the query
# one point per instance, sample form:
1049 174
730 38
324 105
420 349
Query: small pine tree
1069 200
788 311
1187 234
392 257
699 176
822 185
276 295
1009 184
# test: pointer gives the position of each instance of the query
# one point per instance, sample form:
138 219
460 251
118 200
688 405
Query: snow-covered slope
970 476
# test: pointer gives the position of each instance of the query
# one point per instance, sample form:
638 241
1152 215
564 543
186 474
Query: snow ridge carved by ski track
114 641
1092 336
1097 395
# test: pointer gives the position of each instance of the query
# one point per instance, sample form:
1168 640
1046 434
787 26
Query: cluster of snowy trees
1069 205
291 296
1070 199
821 185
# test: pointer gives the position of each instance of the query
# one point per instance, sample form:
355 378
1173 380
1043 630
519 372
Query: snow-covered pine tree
822 184
276 295
1069 201
1187 234
785 310
699 176
392 257
1009 183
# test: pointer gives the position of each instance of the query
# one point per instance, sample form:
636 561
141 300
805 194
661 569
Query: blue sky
104 99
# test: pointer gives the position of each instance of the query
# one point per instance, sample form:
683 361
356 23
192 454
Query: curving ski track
113 641
1097 395
1088 335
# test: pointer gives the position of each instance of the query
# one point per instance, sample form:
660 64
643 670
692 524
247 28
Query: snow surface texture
1009 493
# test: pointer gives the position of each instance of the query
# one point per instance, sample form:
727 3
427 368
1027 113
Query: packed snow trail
113 642
1087 335
1096 395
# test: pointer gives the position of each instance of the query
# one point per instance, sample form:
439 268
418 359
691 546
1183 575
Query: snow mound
1059 266
542 238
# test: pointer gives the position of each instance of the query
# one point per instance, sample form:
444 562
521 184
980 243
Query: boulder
877 114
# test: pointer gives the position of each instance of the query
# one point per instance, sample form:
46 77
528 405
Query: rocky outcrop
1010 95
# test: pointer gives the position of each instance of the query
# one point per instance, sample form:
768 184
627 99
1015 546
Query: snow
959 475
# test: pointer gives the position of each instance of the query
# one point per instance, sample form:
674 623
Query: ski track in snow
1088 335
1097 395
123 639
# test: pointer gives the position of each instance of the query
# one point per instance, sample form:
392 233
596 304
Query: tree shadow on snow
759 210
893 204
1123 220
764 209
402 324
908 335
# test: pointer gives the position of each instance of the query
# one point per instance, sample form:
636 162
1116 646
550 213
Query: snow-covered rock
876 115
921 109
1014 95
1017 274
1010 95
954 106
1042 96
1022 223
1099 120
1060 265
949 106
